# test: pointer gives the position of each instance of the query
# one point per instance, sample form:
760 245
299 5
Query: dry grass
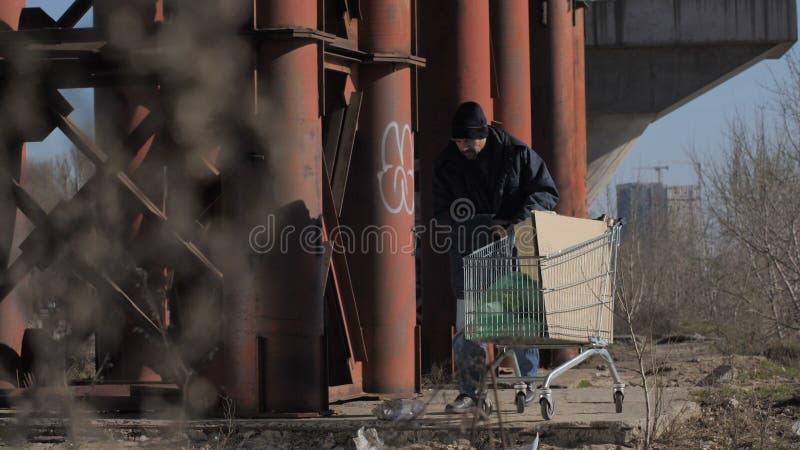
755 411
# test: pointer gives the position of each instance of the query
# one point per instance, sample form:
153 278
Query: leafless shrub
754 196
659 276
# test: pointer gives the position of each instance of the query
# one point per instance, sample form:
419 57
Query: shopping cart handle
610 220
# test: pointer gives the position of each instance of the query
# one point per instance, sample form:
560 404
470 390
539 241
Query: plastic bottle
400 409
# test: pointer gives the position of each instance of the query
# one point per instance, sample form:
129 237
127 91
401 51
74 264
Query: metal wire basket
558 299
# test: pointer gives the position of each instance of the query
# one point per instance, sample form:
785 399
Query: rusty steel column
473 65
512 58
559 106
454 38
274 309
579 168
578 173
9 12
380 205
12 313
554 99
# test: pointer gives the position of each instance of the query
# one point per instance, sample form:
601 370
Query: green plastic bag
510 308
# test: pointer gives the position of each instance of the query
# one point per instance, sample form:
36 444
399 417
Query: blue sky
700 124
56 8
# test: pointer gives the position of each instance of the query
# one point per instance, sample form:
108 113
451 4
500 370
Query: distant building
684 206
642 206
653 209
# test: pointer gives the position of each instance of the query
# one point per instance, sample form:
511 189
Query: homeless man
484 179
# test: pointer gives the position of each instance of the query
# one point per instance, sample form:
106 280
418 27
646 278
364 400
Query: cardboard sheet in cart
578 300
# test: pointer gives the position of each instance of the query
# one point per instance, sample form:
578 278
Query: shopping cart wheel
520 402
619 397
548 408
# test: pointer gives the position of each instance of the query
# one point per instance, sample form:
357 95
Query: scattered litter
367 439
401 409
796 428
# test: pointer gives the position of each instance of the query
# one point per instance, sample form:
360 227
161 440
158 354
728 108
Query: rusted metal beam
75 13
338 151
100 158
65 219
35 18
341 276
81 140
12 161
12 276
78 264
67 216
12 165
101 397
341 171
136 142
332 138
355 388
84 270
381 57
290 33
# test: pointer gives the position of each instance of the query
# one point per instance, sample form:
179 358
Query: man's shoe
530 395
462 404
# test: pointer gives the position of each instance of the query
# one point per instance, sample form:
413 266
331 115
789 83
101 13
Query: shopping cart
559 300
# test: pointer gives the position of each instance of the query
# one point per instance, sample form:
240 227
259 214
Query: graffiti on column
396 177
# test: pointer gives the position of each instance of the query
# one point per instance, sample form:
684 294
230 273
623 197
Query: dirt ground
740 401
751 402
745 401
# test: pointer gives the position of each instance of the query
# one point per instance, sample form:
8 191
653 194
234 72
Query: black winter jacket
518 182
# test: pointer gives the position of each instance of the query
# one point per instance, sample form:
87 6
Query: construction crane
697 166
698 169
658 170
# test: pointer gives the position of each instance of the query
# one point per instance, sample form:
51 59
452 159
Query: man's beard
470 154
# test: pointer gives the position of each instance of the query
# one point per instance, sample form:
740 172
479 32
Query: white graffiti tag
399 195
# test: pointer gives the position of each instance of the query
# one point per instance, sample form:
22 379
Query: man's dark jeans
470 359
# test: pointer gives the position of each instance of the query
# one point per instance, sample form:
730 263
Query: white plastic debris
367 439
400 409
796 428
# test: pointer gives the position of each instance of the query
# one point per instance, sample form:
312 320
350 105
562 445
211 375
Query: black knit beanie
469 122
